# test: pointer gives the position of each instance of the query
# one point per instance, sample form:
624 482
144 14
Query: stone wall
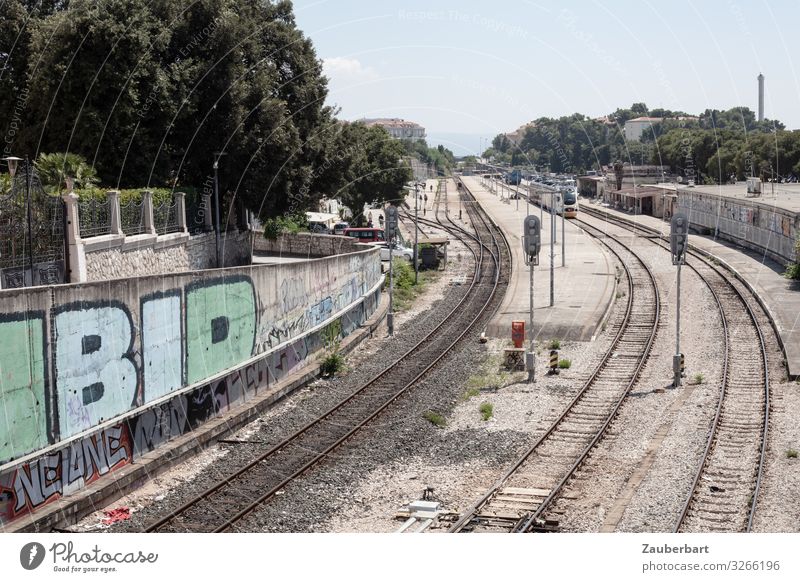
114 257
306 245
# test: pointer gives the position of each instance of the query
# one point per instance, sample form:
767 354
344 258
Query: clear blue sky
480 68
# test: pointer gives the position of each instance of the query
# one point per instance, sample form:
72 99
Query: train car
565 202
514 177
570 203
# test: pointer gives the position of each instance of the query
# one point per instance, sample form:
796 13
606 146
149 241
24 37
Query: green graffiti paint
220 326
23 412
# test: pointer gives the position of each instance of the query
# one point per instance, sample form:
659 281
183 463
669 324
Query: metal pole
676 366
541 209
390 315
563 239
416 234
532 370
216 207
552 251
28 173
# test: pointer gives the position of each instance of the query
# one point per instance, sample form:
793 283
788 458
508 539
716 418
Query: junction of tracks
607 445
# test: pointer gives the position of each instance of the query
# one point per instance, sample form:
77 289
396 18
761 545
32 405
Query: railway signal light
532 239
679 238
391 222
679 243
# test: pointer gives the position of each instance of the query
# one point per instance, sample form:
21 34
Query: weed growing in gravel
486 409
791 454
620 294
434 418
699 378
564 363
332 364
334 361
470 393
489 376
555 344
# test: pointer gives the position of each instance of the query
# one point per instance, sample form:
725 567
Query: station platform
584 289
763 275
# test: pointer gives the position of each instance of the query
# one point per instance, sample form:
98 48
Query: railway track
223 506
724 493
519 499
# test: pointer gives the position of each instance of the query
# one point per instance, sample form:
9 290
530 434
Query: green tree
371 169
147 90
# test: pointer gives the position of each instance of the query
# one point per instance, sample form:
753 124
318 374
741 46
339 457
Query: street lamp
13 163
217 156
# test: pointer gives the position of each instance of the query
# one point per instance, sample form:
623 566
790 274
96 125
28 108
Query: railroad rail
727 481
518 500
224 505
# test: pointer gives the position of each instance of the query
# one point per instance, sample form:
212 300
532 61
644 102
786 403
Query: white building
634 128
398 128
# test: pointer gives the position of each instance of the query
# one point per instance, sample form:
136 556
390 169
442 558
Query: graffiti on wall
34 484
64 471
67 366
23 422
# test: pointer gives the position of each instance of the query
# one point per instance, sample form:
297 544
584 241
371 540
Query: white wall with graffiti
756 225
93 375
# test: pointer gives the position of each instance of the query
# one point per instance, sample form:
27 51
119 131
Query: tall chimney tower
760 97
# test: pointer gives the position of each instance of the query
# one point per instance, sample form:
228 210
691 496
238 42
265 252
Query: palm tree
55 168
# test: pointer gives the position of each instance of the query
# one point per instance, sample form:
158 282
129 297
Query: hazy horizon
463 68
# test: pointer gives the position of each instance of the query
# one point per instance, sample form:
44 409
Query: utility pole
217 156
679 242
531 243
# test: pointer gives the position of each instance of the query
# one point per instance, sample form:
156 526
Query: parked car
340 227
366 235
318 228
397 251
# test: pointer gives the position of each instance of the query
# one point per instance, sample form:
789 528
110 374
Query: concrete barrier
94 375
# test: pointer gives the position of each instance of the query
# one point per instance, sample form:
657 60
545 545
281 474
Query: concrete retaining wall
93 375
754 225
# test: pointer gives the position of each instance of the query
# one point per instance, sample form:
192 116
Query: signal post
679 242
531 245
391 234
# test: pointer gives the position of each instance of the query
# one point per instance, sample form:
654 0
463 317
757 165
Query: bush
486 409
332 364
434 418
564 363
698 378
405 291
555 344
273 227
792 271
403 274
160 195
791 454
